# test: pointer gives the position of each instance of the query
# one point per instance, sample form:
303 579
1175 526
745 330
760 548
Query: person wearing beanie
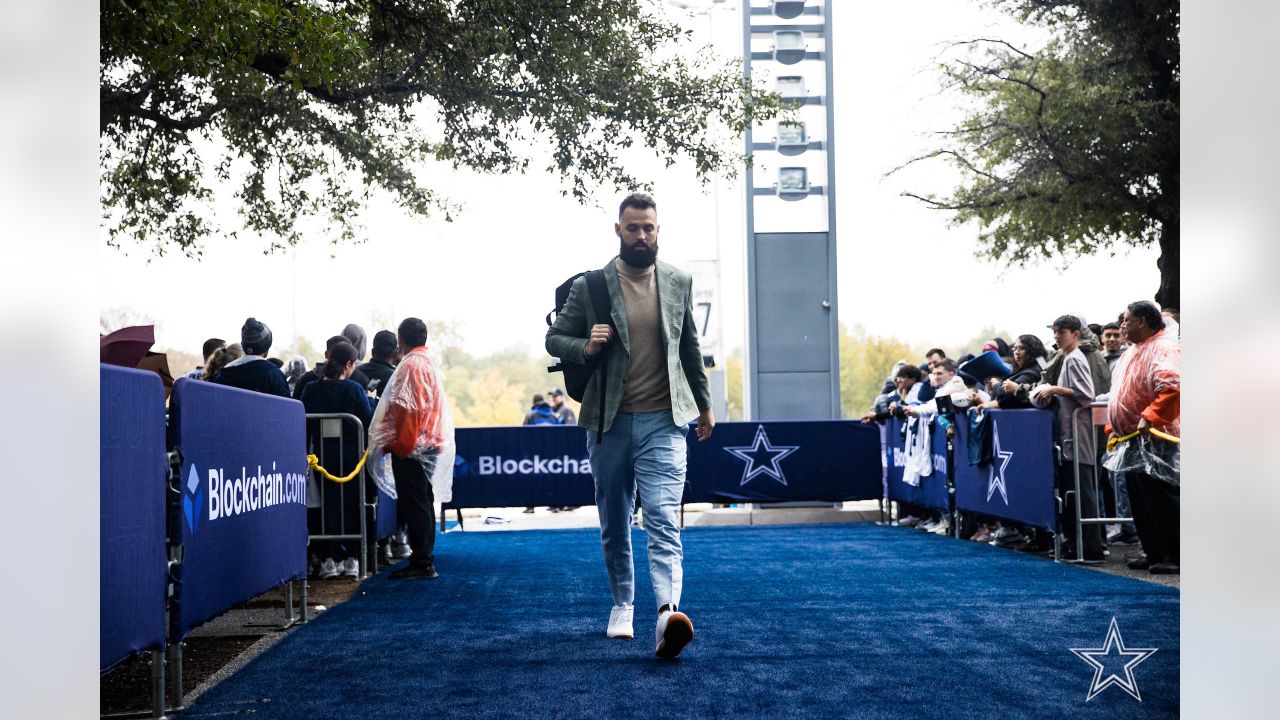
382 364
253 371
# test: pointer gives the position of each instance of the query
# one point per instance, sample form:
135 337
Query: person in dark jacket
1014 391
253 371
335 393
382 364
541 413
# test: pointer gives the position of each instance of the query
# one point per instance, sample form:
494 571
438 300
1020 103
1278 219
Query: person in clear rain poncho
1143 412
412 432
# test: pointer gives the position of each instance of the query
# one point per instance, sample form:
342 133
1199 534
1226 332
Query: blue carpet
800 622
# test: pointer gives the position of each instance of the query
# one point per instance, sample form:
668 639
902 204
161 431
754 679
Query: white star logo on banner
752 452
995 476
1092 655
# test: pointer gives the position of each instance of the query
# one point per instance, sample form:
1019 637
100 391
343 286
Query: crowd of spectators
339 384
1132 365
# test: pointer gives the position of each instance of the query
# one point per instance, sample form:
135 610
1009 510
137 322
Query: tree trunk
1169 294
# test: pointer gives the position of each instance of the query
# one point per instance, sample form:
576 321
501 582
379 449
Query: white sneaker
400 546
942 528
351 568
620 622
675 630
328 569
929 524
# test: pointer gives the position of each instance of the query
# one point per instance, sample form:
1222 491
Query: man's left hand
706 422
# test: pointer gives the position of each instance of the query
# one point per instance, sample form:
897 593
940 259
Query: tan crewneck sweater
648 387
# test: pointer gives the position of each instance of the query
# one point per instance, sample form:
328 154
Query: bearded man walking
653 384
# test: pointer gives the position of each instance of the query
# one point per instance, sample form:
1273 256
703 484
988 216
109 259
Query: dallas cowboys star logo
762 457
995 476
1135 655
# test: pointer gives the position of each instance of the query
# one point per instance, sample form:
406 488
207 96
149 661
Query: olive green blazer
567 337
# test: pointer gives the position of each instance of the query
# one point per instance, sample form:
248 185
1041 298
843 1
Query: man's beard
638 257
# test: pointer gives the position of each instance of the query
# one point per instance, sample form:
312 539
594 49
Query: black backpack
578 376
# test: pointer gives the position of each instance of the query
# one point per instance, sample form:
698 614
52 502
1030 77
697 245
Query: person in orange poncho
1145 394
414 425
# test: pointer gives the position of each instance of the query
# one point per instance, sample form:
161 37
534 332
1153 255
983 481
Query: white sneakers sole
675 631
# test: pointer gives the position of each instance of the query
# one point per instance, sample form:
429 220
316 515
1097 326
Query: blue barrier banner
742 462
932 490
1017 482
242 513
522 466
132 474
832 460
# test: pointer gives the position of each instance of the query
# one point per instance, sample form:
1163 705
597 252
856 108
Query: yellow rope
1113 442
313 462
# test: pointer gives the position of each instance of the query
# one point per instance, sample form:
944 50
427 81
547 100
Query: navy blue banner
132 472
832 460
1015 480
242 516
522 466
932 489
742 462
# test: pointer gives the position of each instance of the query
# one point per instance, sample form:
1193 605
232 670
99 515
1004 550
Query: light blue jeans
644 452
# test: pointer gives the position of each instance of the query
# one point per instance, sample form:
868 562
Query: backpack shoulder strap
604 311
600 296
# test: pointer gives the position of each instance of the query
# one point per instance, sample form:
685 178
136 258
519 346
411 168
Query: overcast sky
902 270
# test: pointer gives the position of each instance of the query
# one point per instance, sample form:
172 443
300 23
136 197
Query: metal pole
157 683
288 603
1075 466
363 571
175 651
1058 503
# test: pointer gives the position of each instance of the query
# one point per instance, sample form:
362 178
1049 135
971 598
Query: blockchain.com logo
228 495
192 498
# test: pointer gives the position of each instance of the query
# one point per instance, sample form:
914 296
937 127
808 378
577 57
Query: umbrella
127 346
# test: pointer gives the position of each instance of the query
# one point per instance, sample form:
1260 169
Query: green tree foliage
1072 148
307 108
865 361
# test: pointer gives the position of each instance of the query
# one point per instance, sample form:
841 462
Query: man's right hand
601 334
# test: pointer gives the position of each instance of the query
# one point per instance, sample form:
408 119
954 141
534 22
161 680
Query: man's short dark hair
1149 313
328 344
1110 326
936 351
638 201
538 399
1067 322
412 332
384 345
909 371
211 346
947 364
1096 328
